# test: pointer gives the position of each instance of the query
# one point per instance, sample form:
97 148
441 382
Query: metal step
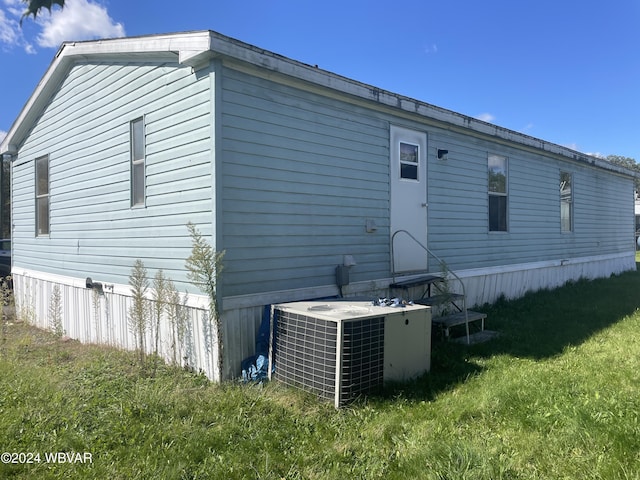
445 322
439 299
417 282
458 318
478 337
448 321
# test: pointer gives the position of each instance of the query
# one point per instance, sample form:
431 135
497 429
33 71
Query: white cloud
486 117
15 7
433 48
78 20
3 134
8 30
11 35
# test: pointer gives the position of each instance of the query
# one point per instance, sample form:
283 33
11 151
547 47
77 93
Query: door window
409 161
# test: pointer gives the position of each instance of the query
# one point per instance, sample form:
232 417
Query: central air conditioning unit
340 350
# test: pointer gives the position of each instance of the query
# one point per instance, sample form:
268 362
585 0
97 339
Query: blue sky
564 71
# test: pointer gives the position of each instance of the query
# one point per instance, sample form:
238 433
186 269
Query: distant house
637 215
292 170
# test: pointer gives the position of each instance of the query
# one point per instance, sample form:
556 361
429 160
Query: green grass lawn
555 396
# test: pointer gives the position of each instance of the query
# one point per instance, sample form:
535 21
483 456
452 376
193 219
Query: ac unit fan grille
362 357
306 355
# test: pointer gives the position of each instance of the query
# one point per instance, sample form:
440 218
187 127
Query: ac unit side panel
407 340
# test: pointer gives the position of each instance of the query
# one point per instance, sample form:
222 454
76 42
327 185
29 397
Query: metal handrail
442 262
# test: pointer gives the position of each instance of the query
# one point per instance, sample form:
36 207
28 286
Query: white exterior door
408 199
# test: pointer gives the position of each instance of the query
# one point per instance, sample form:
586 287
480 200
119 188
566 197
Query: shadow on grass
537 326
545 323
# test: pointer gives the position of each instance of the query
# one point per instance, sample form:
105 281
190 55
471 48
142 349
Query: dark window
497 213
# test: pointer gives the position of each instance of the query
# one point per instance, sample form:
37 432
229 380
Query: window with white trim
498 193
138 175
566 202
42 196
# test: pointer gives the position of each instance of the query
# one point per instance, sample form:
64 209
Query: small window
138 180
42 196
498 193
409 159
566 202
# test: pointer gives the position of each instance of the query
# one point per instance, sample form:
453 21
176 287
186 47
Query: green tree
626 162
34 7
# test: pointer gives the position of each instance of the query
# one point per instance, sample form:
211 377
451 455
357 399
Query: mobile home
291 170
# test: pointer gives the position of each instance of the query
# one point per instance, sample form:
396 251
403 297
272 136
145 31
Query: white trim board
194 300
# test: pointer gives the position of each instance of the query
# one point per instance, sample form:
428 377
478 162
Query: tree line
626 162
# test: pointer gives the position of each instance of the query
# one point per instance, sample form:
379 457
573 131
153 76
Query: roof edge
195 48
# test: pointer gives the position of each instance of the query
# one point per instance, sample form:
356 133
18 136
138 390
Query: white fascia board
192 42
